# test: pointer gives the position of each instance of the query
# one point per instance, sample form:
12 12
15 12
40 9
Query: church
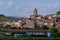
35 20
35 15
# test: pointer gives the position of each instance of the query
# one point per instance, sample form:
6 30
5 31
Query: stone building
29 23
33 17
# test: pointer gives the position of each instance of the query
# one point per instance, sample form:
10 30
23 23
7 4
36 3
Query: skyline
26 7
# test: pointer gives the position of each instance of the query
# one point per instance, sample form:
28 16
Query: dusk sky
25 7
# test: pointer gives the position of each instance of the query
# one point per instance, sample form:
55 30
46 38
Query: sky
25 8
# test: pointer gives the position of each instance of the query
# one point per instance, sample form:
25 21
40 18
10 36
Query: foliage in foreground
53 31
27 38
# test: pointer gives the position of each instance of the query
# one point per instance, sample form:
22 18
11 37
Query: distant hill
58 12
6 18
18 17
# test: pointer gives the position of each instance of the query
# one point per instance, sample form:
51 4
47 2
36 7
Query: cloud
10 4
52 5
17 8
1 3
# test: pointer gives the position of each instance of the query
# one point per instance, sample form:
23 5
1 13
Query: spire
35 11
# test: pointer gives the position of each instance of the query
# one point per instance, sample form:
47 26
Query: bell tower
35 12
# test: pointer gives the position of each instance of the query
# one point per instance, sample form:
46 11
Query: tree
58 12
44 27
53 31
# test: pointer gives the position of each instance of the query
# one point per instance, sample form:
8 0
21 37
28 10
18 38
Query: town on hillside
35 21
35 24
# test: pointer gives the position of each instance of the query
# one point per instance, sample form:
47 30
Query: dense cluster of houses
35 21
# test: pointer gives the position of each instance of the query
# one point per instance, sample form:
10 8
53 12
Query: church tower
35 12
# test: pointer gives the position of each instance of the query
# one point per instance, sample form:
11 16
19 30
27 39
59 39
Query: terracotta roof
28 30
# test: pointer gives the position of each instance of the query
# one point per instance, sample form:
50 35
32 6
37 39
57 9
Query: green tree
58 12
53 31
44 27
